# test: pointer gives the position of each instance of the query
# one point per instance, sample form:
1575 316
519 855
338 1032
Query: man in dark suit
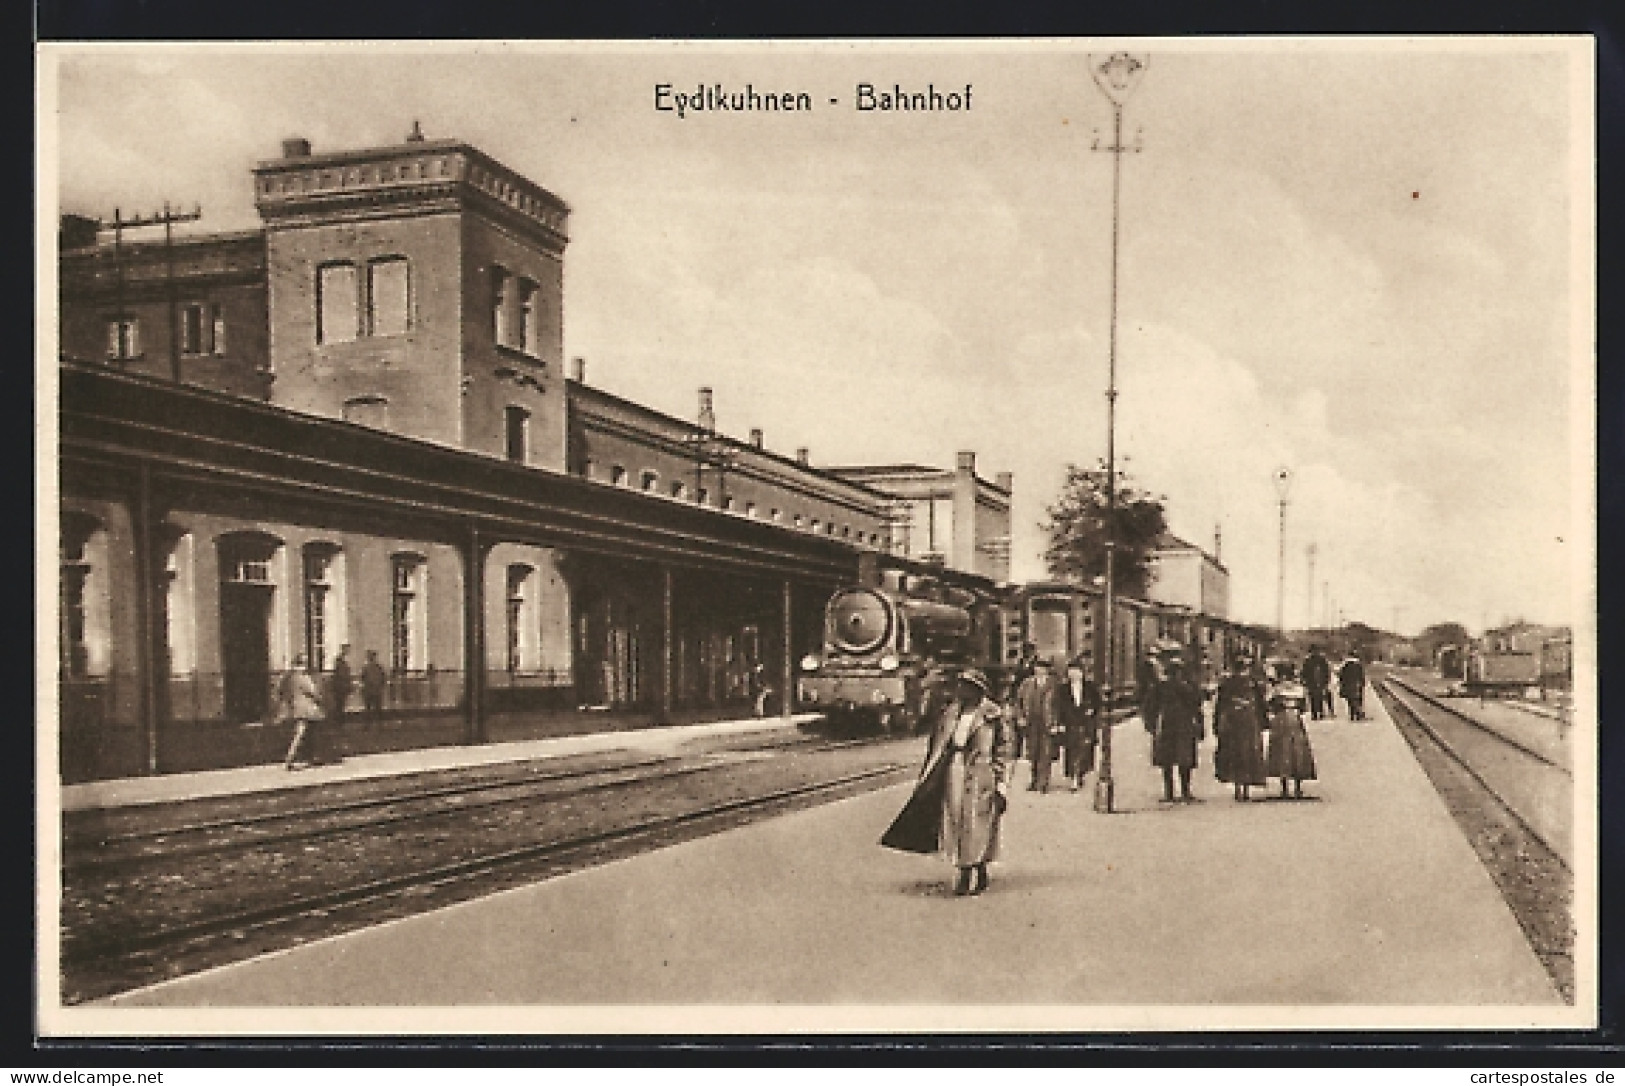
1078 707
1035 715
1317 677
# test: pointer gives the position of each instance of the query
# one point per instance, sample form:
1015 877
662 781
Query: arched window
338 315
76 618
323 581
367 411
523 626
409 650
617 475
389 296
679 489
649 482
179 598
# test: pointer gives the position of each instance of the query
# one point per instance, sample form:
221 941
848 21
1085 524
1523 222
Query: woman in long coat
1238 721
1290 754
1175 724
959 801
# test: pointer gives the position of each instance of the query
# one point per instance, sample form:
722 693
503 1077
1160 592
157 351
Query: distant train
882 642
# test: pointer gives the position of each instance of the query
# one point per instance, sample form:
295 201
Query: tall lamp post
1283 487
1116 76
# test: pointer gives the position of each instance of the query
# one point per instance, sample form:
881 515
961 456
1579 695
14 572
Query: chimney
416 135
297 147
1218 538
967 462
802 454
708 415
1005 481
580 366
756 437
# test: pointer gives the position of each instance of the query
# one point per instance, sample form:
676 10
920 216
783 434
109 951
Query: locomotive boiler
880 646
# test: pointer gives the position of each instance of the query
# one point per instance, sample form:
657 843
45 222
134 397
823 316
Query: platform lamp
1116 75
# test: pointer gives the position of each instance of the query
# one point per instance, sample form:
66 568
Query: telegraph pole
1309 597
1283 486
1116 76
167 219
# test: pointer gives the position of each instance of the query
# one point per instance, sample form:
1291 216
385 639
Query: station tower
418 288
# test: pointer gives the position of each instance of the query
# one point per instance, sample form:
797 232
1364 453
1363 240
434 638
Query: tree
1076 530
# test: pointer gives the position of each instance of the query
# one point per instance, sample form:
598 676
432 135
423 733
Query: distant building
1185 575
954 517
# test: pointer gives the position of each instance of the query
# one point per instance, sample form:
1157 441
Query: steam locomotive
882 643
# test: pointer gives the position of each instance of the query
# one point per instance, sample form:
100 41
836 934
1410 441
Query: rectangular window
217 321
407 651
316 592
530 327
500 286
388 297
337 312
124 338
193 329
517 424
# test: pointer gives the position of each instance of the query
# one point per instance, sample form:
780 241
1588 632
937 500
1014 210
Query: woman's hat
976 679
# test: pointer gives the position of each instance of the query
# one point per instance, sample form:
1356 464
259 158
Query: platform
1365 895
174 787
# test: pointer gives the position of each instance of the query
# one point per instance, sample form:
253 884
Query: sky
1354 260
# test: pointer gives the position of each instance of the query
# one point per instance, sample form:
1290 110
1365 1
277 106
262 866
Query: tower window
501 287
530 318
388 296
517 423
337 315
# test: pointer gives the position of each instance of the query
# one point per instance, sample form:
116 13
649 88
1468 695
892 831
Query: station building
276 443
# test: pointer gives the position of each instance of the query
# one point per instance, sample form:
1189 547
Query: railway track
134 919
1443 706
1515 807
165 844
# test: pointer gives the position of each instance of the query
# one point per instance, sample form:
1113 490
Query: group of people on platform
313 706
963 789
